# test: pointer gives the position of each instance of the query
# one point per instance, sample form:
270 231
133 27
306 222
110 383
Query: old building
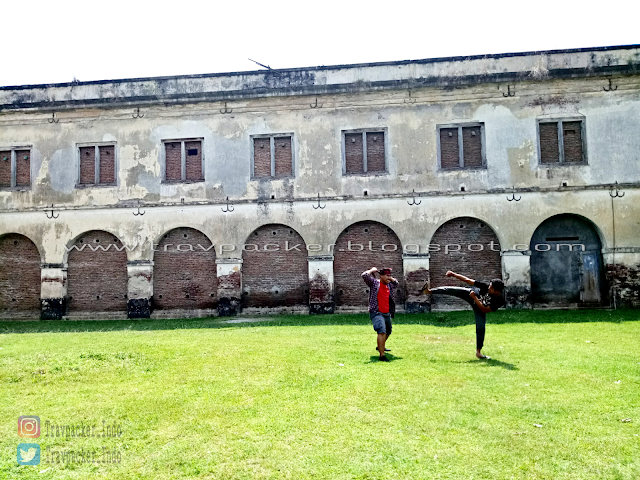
274 189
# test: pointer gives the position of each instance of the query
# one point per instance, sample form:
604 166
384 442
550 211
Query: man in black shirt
483 298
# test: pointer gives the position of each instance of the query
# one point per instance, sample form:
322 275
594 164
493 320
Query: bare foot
481 356
425 289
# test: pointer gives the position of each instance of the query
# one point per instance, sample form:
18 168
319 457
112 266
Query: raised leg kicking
482 296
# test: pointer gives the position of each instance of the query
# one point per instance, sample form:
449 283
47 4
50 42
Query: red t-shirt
383 298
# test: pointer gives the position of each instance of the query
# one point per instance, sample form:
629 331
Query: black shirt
491 301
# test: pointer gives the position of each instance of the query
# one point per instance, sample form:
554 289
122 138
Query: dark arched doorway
566 262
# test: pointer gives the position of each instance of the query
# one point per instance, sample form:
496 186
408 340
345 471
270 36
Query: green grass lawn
304 397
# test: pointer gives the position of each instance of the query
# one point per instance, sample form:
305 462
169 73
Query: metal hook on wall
513 196
509 92
315 105
137 114
53 118
611 88
319 206
413 201
226 110
139 212
229 207
617 194
409 100
46 212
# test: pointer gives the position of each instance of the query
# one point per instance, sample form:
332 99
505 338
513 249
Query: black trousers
463 293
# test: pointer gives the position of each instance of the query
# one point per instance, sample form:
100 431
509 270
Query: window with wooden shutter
183 160
460 146
97 165
15 167
272 156
561 142
364 152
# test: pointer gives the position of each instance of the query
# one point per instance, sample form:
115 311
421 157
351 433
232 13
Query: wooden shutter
193 151
23 168
375 152
549 148
107 164
354 156
283 156
472 146
449 152
87 165
261 157
5 168
572 138
173 161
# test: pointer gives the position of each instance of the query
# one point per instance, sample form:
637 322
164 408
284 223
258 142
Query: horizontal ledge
338 198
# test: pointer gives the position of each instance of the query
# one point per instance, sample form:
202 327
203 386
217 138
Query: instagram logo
29 426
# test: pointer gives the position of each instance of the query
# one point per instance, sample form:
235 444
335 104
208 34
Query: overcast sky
55 41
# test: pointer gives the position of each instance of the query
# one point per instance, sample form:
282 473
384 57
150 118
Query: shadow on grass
439 319
492 362
376 358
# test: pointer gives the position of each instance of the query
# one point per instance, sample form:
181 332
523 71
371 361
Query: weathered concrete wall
339 78
406 100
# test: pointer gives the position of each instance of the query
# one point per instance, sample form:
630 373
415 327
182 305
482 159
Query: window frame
272 137
183 165
14 167
460 126
96 181
559 120
365 131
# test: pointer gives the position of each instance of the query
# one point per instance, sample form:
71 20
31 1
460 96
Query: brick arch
184 272
97 273
115 240
349 264
20 279
484 264
277 278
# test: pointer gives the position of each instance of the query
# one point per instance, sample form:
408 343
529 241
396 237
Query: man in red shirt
381 304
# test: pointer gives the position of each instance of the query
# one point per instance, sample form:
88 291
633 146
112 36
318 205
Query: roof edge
323 67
